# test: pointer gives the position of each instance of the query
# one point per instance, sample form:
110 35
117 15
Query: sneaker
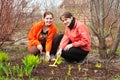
81 62
52 58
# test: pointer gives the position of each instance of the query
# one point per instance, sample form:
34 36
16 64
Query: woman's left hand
68 47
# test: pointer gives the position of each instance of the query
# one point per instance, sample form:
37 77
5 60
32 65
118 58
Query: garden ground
67 71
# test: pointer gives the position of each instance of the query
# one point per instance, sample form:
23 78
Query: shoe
52 58
81 62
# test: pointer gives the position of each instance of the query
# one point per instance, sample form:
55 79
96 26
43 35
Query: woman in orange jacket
75 44
42 35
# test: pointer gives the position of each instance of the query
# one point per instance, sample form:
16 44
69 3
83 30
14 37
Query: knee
34 50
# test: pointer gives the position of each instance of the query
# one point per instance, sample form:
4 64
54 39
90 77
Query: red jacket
36 30
79 36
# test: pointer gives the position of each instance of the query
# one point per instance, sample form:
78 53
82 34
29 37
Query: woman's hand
40 47
68 47
59 53
47 56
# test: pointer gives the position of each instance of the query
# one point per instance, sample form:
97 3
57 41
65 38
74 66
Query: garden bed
86 71
66 71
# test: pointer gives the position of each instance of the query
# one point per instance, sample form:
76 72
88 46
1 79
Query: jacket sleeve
32 36
49 39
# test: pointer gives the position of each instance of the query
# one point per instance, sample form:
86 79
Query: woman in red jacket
75 44
42 37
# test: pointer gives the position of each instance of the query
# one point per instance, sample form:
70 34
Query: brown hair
48 13
66 15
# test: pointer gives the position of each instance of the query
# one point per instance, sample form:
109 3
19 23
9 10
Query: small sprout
85 73
79 68
98 65
95 71
52 72
57 61
69 70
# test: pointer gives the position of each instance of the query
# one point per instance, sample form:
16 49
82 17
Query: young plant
20 72
14 69
79 68
3 57
6 69
1 69
17 70
29 62
69 70
98 65
52 72
57 61
2 78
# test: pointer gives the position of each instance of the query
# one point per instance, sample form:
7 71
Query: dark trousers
74 54
55 44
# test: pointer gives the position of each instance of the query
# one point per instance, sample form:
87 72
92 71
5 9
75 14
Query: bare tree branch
108 9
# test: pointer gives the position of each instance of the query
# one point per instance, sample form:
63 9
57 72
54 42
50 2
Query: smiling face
66 21
48 20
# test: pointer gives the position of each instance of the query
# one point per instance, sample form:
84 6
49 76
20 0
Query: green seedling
57 61
54 64
98 65
4 69
29 62
79 68
1 69
95 71
3 57
52 72
69 70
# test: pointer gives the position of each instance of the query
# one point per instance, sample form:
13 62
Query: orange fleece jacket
36 30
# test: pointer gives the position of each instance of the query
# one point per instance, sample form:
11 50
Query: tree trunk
102 48
115 42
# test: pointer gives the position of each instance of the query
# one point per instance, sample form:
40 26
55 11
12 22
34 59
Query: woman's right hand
40 47
59 53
